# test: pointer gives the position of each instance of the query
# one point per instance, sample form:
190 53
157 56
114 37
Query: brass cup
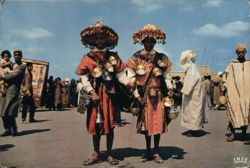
106 76
167 101
109 67
113 60
173 114
157 71
135 110
96 72
140 69
161 63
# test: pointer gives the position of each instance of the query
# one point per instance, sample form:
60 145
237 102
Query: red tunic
87 65
154 117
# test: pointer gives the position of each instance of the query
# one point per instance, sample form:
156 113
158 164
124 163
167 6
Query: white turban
187 56
240 46
219 73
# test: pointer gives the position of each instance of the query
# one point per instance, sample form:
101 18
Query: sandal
230 138
91 161
145 157
112 161
158 159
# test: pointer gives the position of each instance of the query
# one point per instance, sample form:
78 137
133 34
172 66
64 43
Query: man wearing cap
194 95
238 93
150 70
100 69
27 92
9 103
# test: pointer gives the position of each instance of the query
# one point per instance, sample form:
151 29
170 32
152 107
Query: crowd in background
65 93
61 93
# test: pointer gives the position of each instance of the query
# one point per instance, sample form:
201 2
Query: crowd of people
61 93
105 81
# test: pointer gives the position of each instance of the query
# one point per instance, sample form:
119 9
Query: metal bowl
107 76
157 71
113 60
173 115
161 63
109 67
140 69
96 72
167 101
135 110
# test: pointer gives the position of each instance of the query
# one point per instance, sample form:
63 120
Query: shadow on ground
34 131
238 137
37 121
6 147
198 133
166 152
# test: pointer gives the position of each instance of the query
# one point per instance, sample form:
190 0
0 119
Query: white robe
193 104
238 92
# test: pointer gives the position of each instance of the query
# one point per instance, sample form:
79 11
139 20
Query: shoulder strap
164 88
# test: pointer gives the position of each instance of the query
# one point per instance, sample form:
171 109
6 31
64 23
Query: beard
242 59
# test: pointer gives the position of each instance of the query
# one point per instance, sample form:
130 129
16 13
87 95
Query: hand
112 90
9 63
170 92
140 100
94 96
131 86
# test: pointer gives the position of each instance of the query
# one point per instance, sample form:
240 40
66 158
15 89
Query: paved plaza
59 140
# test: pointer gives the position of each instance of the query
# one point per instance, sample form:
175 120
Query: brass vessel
157 71
109 67
140 69
161 63
96 72
168 102
113 60
173 114
134 109
107 76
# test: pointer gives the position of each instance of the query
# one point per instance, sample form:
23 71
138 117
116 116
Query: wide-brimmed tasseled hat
88 35
149 30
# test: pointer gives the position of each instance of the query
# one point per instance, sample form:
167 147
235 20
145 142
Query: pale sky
50 30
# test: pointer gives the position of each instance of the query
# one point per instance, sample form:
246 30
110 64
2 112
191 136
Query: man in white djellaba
238 93
193 104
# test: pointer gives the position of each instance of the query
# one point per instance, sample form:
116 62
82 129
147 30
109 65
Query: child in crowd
6 67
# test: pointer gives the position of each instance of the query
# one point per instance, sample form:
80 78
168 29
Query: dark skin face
100 42
149 43
17 57
30 67
241 54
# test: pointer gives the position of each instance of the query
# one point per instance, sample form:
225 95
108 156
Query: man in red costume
100 69
152 83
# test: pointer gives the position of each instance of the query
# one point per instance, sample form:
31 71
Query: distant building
203 69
